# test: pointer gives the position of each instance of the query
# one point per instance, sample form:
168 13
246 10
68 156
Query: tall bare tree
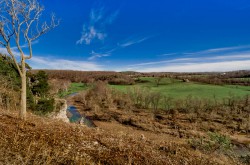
20 25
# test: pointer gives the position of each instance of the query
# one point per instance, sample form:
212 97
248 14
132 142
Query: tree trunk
22 112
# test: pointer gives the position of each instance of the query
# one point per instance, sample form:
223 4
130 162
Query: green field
180 90
74 88
176 89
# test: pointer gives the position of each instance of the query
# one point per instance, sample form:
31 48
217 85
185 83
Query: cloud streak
15 51
168 54
220 50
200 67
242 56
95 29
227 59
131 42
95 55
125 44
38 62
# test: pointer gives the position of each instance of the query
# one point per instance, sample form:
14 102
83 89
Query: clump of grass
214 143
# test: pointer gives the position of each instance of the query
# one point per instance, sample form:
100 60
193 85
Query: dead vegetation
220 128
41 141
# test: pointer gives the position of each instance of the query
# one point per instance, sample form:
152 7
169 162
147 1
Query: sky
146 36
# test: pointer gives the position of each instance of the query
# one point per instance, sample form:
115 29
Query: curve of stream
76 117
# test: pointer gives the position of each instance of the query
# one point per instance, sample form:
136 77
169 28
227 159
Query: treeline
221 81
241 77
114 78
230 78
129 77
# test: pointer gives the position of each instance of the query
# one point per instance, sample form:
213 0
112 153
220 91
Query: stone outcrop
61 111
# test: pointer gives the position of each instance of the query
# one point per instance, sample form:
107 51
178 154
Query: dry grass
42 141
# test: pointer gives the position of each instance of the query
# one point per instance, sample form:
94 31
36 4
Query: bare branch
1 43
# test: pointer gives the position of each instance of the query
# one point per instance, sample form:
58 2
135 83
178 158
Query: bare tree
158 80
20 25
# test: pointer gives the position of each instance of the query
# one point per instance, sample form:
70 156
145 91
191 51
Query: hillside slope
42 141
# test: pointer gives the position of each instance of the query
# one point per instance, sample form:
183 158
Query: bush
215 142
9 72
39 84
45 106
219 141
101 97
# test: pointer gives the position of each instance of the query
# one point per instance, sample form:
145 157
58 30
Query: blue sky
146 35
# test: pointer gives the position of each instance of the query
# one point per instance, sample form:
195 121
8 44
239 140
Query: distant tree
20 24
158 80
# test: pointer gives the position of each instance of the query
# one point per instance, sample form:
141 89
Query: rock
88 122
62 113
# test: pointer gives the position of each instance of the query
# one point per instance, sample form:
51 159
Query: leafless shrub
58 85
8 97
167 103
155 100
101 97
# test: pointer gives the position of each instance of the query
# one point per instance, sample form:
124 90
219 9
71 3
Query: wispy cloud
4 51
242 56
95 55
95 29
38 62
230 60
200 67
89 34
127 43
161 62
130 42
15 49
220 50
168 54
24 46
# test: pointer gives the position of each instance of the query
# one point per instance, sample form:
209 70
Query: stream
76 117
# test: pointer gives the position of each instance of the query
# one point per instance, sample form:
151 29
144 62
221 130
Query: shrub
219 141
215 142
39 84
9 72
45 106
